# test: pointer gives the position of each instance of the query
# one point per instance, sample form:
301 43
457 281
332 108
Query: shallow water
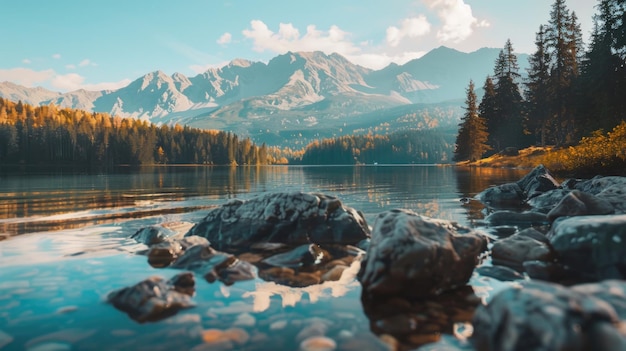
66 246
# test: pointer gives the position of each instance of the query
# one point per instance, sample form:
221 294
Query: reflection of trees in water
472 180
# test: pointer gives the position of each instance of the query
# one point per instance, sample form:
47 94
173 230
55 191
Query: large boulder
593 246
154 298
616 196
545 202
527 245
543 316
415 256
290 218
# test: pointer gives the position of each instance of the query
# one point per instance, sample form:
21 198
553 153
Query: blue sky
95 44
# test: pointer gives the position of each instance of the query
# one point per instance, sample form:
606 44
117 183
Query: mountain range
297 95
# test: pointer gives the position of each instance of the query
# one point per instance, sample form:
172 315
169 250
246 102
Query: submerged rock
415 256
289 218
520 219
544 316
214 265
593 246
154 298
163 254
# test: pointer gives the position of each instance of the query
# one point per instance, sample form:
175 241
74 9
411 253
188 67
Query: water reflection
54 280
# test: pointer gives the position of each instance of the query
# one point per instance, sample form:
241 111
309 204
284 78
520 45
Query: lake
64 245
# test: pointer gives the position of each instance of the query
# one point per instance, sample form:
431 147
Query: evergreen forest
45 135
571 91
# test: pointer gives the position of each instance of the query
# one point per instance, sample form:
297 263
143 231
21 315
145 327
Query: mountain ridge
246 95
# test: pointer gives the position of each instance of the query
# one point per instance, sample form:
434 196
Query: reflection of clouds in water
291 296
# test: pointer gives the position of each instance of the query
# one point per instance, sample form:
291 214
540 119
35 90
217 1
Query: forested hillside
45 135
415 146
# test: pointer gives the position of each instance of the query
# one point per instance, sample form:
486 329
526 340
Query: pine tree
537 87
508 129
488 109
471 143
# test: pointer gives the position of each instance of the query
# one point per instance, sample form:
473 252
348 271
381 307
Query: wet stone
154 298
543 316
527 245
416 256
152 235
578 203
287 218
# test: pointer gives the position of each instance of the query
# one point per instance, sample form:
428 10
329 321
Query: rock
500 273
537 182
593 246
578 203
416 256
290 277
551 272
289 218
599 183
616 196
611 291
214 265
545 202
508 195
542 316
520 219
527 245
154 299
163 254
152 235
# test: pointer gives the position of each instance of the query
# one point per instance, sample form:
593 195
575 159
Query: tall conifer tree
471 143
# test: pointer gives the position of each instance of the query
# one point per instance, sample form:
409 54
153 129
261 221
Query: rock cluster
563 245
570 242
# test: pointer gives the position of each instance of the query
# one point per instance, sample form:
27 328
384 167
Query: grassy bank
601 153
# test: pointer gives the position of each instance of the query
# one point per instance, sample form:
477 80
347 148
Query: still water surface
66 246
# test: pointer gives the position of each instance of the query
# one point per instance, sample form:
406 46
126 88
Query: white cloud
56 56
410 28
457 19
225 39
85 62
288 38
50 79
26 61
26 76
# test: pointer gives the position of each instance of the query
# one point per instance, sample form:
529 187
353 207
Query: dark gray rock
578 203
616 196
593 246
543 316
551 272
537 182
545 202
152 235
611 291
508 195
290 218
416 256
527 245
154 298
599 183
520 219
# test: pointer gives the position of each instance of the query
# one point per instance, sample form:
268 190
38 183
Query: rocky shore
560 248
